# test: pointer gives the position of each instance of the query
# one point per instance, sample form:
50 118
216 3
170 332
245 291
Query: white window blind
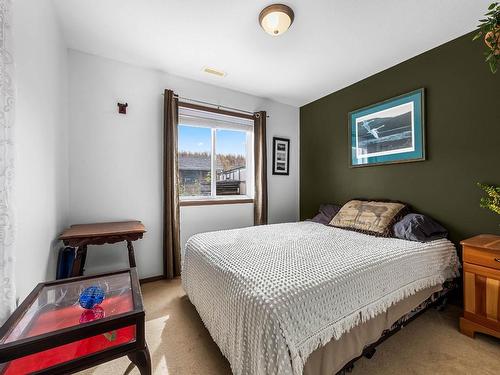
195 117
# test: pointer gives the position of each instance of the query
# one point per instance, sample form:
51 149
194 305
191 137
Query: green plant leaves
493 66
492 201
490 27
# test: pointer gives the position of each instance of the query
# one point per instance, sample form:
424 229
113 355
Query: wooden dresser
481 260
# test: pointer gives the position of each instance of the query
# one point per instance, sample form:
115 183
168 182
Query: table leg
142 359
131 257
79 262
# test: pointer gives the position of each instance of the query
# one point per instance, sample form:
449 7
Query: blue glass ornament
91 297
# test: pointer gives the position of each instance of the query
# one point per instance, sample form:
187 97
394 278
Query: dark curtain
171 224
260 161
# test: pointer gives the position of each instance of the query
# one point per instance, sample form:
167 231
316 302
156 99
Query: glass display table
49 333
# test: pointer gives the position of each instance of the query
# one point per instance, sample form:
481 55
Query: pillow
329 210
416 227
371 217
326 213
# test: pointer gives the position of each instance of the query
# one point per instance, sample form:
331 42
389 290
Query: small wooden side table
481 258
82 235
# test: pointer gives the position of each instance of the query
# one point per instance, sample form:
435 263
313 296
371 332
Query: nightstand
481 260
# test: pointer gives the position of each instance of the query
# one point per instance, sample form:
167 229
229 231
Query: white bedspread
270 295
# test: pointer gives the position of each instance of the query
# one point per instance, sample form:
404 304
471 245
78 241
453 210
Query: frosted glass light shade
276 19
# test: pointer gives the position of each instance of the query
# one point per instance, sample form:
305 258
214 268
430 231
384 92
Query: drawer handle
497 260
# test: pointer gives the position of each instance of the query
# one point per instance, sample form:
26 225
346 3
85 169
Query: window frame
215 199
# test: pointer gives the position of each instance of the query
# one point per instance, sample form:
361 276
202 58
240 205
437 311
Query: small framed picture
388 132
281 156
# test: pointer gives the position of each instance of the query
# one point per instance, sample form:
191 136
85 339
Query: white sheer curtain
7 101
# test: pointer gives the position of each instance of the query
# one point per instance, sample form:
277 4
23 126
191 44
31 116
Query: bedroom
189 130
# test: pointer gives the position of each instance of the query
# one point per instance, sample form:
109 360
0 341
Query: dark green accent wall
462 140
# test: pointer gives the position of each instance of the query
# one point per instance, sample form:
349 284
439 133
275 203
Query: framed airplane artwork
388 132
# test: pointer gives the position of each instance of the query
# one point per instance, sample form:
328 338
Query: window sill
214 201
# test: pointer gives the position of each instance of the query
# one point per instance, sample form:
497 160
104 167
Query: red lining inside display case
59 318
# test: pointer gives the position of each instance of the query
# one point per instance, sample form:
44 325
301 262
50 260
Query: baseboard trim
152 279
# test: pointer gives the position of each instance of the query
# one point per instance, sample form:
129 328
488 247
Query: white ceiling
331 44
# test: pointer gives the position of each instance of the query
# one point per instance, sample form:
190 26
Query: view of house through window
195 160
214 157
230 150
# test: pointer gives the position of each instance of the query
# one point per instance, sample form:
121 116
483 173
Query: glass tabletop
57 306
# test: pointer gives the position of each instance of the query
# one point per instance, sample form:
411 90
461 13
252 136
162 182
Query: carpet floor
180 344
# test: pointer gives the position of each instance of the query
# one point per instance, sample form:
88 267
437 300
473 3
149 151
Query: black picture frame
281 156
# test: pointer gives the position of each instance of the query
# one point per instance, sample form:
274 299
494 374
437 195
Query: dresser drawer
481 274
482 257
482 295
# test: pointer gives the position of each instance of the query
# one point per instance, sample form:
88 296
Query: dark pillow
320 218
326 213
330 210
417 227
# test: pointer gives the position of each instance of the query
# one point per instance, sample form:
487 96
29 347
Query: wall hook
122 108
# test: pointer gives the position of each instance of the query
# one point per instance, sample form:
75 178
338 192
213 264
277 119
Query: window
215 156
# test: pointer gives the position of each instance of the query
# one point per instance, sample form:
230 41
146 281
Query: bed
306 298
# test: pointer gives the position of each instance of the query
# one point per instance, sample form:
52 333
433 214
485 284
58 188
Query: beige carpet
432 344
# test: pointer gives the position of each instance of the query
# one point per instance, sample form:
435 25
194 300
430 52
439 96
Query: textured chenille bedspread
270 295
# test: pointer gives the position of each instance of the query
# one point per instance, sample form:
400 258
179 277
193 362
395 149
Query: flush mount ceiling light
276 19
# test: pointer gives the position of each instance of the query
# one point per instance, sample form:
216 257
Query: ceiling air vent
215 72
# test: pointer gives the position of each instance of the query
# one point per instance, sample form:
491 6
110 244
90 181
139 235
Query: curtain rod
214 105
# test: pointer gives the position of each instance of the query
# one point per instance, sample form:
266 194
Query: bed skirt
337 355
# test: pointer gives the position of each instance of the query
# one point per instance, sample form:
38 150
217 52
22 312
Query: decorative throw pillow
369 217
421 228
326 213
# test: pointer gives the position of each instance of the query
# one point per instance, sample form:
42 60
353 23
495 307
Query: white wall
196 219
116 160
41 141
